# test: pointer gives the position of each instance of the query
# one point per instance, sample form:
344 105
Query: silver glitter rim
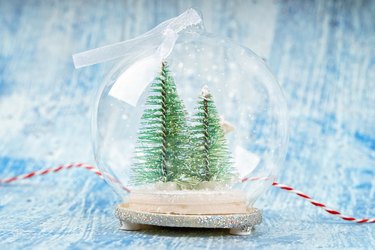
248 220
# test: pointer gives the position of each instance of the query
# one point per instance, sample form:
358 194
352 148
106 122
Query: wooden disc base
239 224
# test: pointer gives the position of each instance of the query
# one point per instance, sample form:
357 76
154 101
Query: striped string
117 182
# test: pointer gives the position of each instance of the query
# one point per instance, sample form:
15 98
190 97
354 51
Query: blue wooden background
322 52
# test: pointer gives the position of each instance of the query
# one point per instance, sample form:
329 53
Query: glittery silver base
240 224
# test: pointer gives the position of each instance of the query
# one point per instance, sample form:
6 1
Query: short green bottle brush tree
162 151
211 160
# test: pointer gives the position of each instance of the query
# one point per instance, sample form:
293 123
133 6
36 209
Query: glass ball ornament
247 103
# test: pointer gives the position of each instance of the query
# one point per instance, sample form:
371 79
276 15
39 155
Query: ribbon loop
153 38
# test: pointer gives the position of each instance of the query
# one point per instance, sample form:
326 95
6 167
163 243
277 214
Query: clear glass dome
248 100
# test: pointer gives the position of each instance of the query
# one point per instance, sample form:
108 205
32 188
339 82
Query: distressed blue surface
322 52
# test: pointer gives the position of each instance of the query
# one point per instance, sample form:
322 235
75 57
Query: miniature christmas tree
211 158
163 139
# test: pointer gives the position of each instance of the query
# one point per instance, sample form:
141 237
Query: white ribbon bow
130 84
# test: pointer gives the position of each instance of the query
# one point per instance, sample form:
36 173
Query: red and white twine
117 182
51 170
321 205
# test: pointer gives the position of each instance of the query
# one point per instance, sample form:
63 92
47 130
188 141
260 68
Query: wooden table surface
322 53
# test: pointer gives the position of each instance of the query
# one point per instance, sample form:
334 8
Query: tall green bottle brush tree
171 150
163 139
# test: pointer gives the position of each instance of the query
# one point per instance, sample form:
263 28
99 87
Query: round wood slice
193 202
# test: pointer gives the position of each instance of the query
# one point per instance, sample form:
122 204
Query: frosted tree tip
205 92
